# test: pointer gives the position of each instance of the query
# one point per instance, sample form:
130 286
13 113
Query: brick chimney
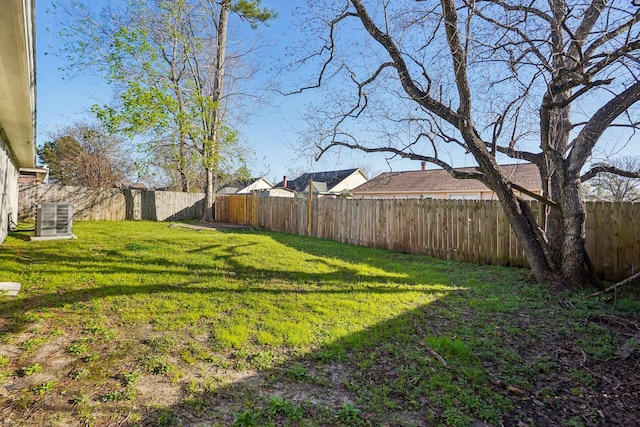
423 166
284 181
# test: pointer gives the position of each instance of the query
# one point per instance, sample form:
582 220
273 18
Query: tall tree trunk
565 233
213 161
524 225
182 140
182 162
207 213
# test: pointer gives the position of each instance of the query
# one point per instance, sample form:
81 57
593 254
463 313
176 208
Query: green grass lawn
148 323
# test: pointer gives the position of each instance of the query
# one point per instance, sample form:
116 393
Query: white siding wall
260 184
350 182
8 190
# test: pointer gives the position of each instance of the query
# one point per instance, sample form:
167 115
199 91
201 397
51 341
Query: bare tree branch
404 75
330 47
608 169
589 135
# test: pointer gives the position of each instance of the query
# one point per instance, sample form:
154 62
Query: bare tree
85 155
616 181
540 81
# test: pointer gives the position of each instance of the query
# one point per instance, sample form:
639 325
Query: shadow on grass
219 274
132 262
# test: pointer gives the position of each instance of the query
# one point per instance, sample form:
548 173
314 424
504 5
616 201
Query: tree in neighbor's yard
612 183
85 155
533 80
168 62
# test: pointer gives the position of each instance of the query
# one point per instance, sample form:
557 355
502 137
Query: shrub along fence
111 203
463 230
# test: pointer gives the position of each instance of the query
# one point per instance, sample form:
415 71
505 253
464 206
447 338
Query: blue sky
270 131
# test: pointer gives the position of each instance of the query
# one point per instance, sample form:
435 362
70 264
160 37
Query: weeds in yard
196 404
196 352
80 374
77 348
263 360
91 357
297 372
119 395
280 406
36 368
86 416
161 345
32 344
276 411
157 365
164 417
248 418
349 415
81 399
130 379
43 388
101 332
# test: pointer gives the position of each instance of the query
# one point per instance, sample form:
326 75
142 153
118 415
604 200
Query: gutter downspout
4 190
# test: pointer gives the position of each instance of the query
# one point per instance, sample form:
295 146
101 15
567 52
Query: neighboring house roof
17 79
319 187
228 190
329 178
235 186
246 186
276 192
432 180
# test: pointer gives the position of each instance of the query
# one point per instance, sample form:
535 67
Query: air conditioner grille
54 219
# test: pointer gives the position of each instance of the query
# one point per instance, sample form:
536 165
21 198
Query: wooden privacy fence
463 230
111 203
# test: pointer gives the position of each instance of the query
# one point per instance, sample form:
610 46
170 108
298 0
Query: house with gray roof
439 184
246 186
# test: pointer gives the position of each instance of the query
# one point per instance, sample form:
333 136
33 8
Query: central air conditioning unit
54 221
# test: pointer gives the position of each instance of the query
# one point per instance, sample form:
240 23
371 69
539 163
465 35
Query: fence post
310 208
253 212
